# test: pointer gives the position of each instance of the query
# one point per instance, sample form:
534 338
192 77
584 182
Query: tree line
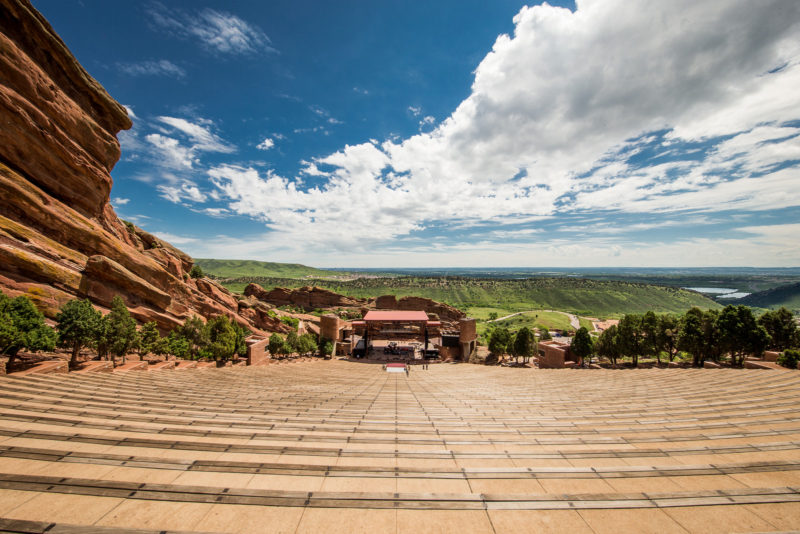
733 332
79 325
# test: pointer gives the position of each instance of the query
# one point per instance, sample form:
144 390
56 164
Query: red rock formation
59 236
308 298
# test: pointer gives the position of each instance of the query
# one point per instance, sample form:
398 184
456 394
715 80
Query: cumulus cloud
160 67
117 201
199 134
215 30
266 144
184 192
561 115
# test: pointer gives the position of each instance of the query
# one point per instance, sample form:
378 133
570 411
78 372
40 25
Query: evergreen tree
740 334
22 326
194 332
782 329
122 333
221 338
582 344
149 338
275 344
607 346
77 324
524 344
499 341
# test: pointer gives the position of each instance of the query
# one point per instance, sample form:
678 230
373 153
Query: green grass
482 314
596 298
787 296
247 268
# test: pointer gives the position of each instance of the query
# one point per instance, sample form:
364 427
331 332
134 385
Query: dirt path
573 319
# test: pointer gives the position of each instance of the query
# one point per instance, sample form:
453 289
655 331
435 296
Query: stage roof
396 315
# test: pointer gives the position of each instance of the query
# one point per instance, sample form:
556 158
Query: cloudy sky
455 132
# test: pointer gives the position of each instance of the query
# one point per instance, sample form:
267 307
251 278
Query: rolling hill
245 268
604 298
787 296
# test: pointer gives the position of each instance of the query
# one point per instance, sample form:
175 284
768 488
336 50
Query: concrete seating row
340 446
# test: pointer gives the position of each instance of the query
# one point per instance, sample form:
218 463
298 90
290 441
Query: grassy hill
604 298
788 296
246 268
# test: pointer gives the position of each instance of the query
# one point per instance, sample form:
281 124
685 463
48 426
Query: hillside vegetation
604 298
787 296
246 268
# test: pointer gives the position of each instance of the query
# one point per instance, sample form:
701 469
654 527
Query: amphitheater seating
335 446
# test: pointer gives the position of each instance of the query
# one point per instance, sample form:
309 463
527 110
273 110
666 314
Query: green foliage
193 331
307 344
524 345
699 335
602 298
789 358
291 321
492 316
78 322
149 338
22 327
251 268
275 344
544 334
740 334
241 333
582 344
221 339
291 342
196 271
630 337
667 334
178 346
785 296
121 333
327 348
499 341
130 226
782 329
607 344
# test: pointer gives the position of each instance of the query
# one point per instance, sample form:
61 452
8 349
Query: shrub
789 358
291 321
196 272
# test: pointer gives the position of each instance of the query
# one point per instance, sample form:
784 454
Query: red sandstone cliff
59 236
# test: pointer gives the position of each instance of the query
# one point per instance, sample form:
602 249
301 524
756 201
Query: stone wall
257 353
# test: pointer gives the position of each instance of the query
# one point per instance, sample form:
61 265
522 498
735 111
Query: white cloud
184 192
170 153
129 111
218 31
160 67
119 201
427 120
204 140
266 144
552 122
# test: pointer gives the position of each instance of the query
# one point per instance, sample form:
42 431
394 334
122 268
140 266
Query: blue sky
455 133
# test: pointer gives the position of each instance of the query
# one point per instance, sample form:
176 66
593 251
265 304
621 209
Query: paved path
573 319
334 446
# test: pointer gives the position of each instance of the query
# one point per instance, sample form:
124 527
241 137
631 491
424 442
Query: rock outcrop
59 236
309 298
315 298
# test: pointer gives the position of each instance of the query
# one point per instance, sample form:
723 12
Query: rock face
308 298
59 236
312 298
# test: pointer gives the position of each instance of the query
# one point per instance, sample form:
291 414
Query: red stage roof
395 315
